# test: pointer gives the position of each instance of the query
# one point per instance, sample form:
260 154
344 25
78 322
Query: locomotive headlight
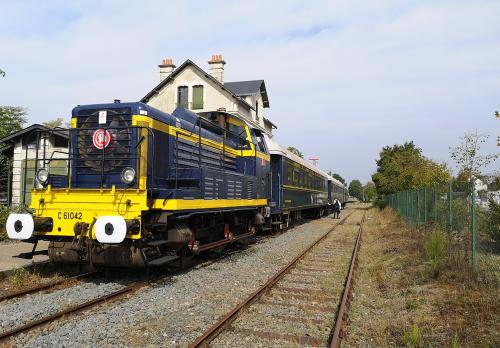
42 175
128 175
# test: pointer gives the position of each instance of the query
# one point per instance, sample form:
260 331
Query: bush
491 221
436 248
380 203
4 213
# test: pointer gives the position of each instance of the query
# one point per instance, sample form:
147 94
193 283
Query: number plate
69 215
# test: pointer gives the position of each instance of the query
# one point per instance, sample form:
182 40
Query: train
145 188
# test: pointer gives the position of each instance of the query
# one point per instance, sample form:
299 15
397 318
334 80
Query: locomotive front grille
102 150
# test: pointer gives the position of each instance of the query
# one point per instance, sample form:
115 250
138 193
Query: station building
187 86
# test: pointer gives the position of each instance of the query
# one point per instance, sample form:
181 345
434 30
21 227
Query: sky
344 78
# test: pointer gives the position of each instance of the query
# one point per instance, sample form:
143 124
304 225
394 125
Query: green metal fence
471 220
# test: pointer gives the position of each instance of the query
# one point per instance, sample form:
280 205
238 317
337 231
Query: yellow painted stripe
302 189
194 138
190 204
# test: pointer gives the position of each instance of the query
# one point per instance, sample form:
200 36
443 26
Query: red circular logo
101 138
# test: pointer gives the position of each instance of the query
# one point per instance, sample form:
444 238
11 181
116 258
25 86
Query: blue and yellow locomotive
145 188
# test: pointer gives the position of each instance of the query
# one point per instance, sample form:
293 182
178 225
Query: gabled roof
9 141
244 88
60 132
176 72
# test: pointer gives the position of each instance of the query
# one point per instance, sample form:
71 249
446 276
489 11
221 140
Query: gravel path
174 312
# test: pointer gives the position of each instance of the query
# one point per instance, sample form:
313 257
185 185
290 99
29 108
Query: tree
356 189
2 73
12 119
58 122
295 151
370 192
403 167
337 176
467 155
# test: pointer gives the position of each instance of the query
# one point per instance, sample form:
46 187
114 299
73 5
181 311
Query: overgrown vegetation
4 213
21 277
413 337
397 302
436 250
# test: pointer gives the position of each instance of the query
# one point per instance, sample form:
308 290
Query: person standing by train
336 208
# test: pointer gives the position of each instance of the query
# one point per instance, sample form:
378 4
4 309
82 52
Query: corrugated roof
62 132
244 88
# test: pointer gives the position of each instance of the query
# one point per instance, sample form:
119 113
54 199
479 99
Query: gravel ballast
174 312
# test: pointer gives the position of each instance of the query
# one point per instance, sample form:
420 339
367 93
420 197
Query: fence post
473 223
407 204
450 206
435 205
418 207
425 205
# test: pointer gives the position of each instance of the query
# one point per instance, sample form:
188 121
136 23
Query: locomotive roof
136 108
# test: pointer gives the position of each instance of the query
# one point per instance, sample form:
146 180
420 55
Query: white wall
213 98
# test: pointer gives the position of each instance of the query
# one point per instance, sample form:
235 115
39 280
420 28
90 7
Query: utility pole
497 115
314 160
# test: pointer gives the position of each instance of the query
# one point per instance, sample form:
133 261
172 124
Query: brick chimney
216 67
166 68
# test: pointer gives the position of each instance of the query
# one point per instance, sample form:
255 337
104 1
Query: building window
197 97
182 97
60 142
257 111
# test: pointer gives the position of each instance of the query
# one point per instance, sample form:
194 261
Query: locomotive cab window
261 144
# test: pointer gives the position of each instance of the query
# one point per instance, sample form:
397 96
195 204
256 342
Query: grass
436 251
395 290
20 277
413 337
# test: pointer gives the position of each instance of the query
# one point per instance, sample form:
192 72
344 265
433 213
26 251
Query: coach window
182 97
197 97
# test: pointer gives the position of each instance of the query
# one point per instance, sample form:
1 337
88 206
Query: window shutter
182 97
197 97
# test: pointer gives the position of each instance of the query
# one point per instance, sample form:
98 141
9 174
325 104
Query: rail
230 317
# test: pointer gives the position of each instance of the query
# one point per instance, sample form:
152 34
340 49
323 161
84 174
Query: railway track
44 286
71 311
298 305
6 335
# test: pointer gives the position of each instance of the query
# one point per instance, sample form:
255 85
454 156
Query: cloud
344 77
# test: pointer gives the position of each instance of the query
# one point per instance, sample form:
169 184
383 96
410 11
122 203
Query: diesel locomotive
146 188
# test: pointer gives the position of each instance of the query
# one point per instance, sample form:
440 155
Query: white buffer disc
110 229
20 226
